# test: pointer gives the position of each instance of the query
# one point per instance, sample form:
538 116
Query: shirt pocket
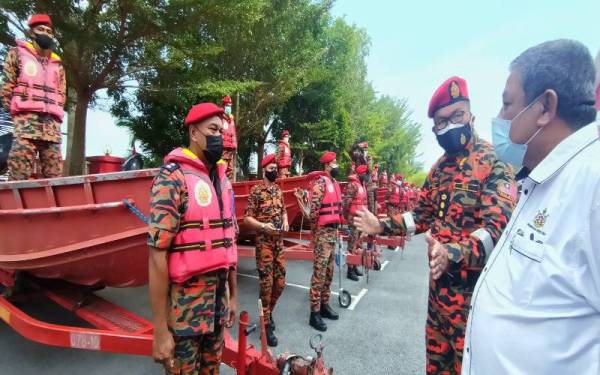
526 268
465 204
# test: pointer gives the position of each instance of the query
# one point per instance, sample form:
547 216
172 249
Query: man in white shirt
536 306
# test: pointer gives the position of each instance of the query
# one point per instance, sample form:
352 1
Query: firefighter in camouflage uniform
464 206
34 91
191 235
355 198
266 213
325 218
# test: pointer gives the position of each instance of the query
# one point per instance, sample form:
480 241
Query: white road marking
356 299
287 284
384 264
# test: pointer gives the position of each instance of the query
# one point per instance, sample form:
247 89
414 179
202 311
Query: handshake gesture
438 256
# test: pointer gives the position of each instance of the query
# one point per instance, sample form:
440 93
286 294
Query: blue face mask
227 110
508 151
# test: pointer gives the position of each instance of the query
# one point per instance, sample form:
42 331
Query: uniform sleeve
498 200
317 190
419 220
165 208
10 75
348 196
252 203
284 209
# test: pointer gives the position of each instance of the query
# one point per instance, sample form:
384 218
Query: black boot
351 274
273 324
271 339
357 271
327 312
317 322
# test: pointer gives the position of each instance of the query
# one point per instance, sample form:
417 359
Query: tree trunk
301 163
70 130
259 157
76 149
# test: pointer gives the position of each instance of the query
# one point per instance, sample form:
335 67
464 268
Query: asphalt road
384 334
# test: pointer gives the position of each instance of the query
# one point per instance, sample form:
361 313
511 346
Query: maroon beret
362 169
227 100
201 112
39 19
269 159
453 90
327 157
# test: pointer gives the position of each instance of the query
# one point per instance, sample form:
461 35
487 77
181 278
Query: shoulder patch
170 168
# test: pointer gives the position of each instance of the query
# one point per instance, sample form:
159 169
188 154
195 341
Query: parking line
356 299
384 264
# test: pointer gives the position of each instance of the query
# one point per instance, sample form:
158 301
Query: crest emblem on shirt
203 194
330 188
225 125
540 219
30 68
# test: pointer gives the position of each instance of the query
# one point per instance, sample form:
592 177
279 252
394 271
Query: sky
416 45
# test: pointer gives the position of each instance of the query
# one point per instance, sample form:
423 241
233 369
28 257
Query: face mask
454 138
43 40
214 148
364 179
507 151
271 175
334 172
228 110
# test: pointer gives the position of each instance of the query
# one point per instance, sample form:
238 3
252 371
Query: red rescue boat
85 229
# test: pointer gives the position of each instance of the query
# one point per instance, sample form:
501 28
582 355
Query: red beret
285 133
398 175
269 159
453 90
38 19
227 100
201 112
364 144
327 157
361 169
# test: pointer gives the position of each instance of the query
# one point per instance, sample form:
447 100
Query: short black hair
567 67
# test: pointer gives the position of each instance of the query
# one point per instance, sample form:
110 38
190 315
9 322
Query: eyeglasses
441 123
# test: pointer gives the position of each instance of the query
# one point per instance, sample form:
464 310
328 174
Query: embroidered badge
508 191
203 194
30 69
454 90
225 125
463 139
330 188
540 219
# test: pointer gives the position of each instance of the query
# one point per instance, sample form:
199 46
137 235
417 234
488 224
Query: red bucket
104 164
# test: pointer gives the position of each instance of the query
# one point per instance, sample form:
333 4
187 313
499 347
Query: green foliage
417 178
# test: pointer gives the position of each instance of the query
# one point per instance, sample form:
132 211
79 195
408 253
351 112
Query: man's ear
550 107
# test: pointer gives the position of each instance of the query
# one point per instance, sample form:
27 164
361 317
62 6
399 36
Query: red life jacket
396 196
229 135
360 199
331 205
285 155
206 238
405 196
37 88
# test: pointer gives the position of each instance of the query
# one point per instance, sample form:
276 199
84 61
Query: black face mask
214 148
43 40
364 179
271 175
334 172
454 140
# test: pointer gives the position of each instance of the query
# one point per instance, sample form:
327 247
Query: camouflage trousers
284 172
270 262
447 315
354 241
199 355
320 284
22 156
229 158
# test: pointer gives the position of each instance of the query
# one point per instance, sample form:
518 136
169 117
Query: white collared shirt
536 306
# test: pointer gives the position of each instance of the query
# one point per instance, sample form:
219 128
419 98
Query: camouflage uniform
35 133
324 239
354 243
198 306
265 204
284 170
461 194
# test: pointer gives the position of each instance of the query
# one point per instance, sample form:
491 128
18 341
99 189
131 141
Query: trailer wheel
377 265
345 298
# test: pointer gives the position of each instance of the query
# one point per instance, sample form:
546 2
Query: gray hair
565 66
597 70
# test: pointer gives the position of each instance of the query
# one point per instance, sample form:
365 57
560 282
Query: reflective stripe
409 222
486 240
